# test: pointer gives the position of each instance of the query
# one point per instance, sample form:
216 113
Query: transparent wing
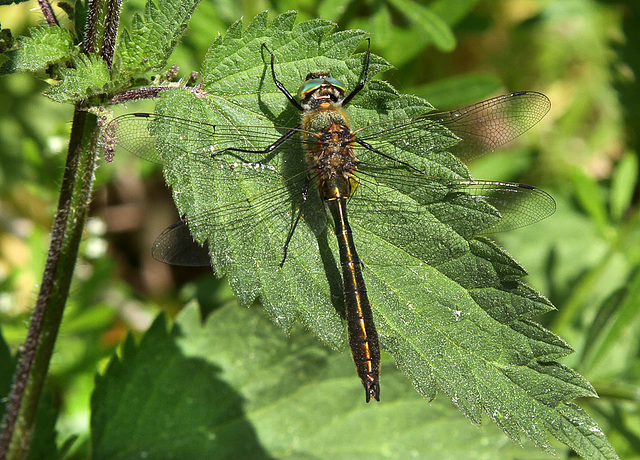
169 140
254 192
481 127
487 125
175 246
254 228
403 207
247 200
517 205
432 218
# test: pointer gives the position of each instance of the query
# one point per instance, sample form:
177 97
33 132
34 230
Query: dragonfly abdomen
363 337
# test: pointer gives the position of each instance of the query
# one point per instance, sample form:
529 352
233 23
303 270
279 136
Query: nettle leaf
448 305
153 36
45 46
144 403
88 77
236 387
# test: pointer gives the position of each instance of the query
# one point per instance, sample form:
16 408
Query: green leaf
89 76
448 306
428 22
623 184
333 10
613 337
43 441
452 12
176 406
591 198
233 61
153 36
579 431
237 387
7 366
45 46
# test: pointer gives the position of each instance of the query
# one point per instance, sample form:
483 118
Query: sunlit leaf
624 182
90 76
45 46
237 387
448 305
149 43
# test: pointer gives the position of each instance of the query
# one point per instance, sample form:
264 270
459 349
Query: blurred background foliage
582 53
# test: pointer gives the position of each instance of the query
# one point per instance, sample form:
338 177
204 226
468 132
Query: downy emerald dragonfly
342 167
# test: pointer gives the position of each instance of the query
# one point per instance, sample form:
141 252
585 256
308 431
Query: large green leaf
449 306
236 387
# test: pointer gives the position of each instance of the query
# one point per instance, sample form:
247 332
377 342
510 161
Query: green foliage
458 90
144 49
624 182
429 23
153 36
172 417
580 52
615 323
45 46
449 308
250 387
88 77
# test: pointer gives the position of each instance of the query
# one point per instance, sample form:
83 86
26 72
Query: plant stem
111 31
101 29
75 194
48 13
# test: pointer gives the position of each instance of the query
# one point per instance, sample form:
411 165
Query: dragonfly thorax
330 152
321 91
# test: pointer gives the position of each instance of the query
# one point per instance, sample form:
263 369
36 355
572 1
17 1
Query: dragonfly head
320 90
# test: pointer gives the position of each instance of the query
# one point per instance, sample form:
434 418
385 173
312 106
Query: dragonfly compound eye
313 84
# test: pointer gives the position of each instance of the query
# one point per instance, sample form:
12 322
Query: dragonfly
340 164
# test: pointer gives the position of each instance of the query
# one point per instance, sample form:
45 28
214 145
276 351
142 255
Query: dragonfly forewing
487 125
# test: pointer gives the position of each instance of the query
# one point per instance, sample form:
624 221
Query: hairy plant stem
73 204
101 29
75 195
48 13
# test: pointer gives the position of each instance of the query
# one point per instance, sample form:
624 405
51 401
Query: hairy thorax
329 142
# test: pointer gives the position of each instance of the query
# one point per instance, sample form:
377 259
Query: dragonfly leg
305 196
369 147
279 85
270 148
360 85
